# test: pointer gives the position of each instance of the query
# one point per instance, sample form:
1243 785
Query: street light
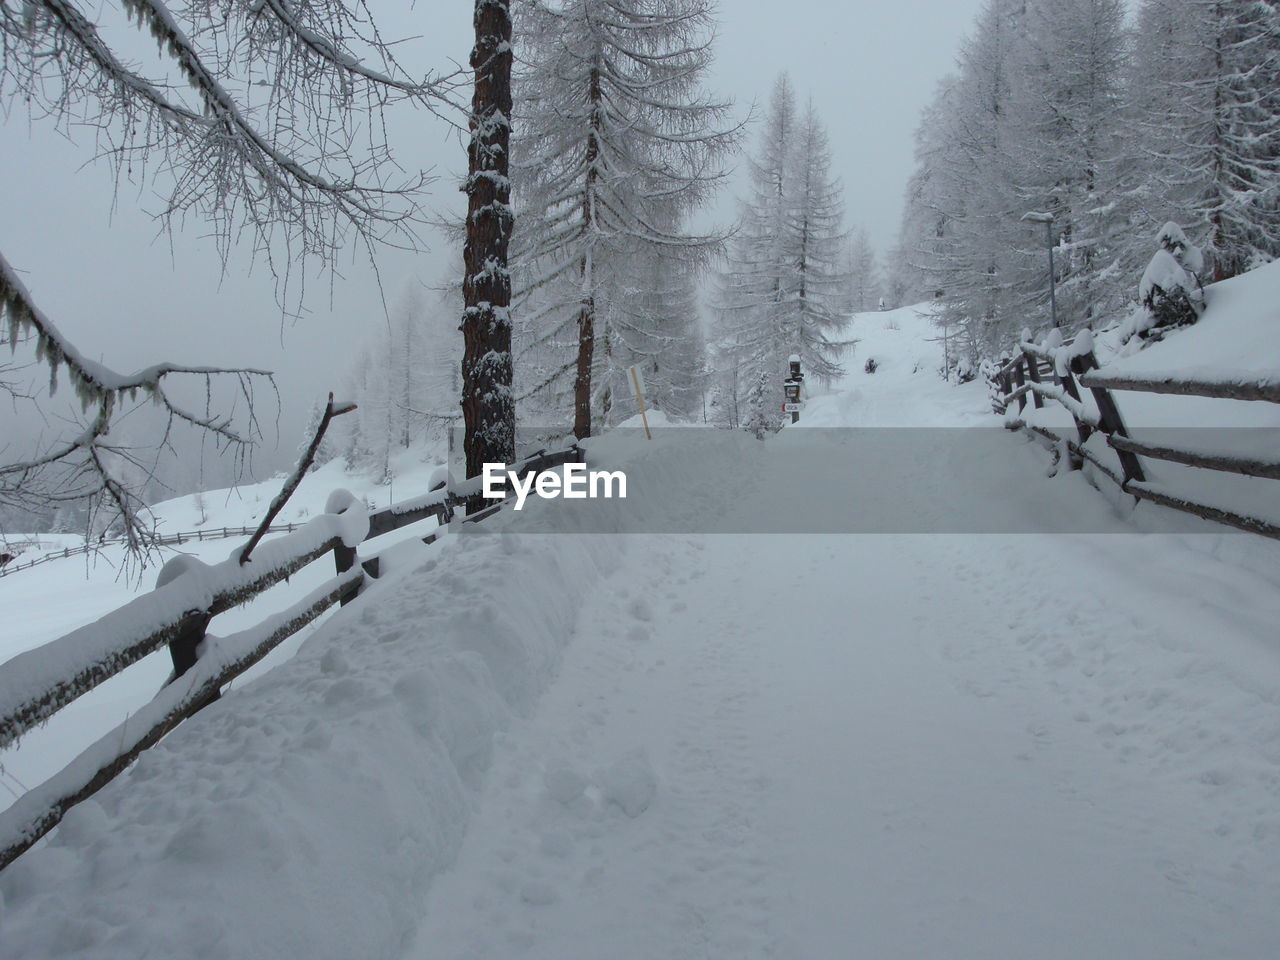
1047 220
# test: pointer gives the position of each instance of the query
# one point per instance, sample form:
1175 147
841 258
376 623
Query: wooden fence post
1083 429
1033 371
184 648
1019 380
1109 418
344 558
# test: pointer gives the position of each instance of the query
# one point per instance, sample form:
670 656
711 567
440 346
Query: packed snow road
914 746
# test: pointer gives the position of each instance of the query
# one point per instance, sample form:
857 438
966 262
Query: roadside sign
792 407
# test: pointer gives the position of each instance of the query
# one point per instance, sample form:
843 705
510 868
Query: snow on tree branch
87 466
273 122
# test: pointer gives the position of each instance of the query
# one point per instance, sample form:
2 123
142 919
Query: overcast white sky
94 260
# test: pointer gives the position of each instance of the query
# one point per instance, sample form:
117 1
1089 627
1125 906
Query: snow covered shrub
965 370
1170 291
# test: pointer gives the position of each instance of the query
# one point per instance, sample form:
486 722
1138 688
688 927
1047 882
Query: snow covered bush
1170 292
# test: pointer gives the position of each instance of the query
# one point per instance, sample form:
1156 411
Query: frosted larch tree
1206 101
617 145
863 272
784 283
1069 155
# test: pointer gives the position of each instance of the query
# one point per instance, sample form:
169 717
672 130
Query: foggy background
129 294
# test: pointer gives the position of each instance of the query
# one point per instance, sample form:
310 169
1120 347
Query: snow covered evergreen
784 287
1205 102
617 144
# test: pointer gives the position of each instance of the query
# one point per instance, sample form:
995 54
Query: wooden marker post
637 381
792 402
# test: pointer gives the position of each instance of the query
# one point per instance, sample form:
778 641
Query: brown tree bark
488 408
587 313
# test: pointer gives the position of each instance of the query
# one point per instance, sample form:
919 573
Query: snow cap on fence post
355 516
178 566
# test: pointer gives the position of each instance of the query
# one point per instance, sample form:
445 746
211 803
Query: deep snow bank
305 814
1236 341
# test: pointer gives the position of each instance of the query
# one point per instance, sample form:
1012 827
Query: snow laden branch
87 467
266 117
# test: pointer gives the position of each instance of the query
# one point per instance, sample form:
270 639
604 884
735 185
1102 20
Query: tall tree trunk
586 356
488 409
587 313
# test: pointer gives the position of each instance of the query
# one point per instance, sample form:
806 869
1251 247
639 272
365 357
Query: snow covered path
932 757
915 746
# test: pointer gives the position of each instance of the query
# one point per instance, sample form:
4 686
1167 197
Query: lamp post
1047 220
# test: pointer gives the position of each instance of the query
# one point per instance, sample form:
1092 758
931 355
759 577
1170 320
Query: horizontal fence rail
36 684
1264 391
163 540
1072 365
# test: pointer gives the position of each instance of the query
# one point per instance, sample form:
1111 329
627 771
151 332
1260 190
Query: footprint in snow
630 783
640 609
563 783
557 844
538 893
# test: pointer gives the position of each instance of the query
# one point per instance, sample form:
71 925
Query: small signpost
637 381
792 403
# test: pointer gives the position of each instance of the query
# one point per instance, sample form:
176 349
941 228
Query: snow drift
305 814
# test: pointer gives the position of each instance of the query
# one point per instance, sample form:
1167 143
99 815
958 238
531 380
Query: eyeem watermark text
578 483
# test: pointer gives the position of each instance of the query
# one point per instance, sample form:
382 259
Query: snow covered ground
893 746
686 745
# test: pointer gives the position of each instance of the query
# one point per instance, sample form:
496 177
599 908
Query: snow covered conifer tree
657 329
864 286
817 242
973 187
1067 157
1206 101
785 281
617 144
929 206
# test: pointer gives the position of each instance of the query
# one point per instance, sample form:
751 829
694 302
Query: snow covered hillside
541 743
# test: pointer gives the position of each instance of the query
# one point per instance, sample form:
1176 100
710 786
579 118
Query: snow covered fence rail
36 684
163 540
1073 364
442 503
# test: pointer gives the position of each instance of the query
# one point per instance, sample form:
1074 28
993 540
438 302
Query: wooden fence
1054 372
188 594
161 540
